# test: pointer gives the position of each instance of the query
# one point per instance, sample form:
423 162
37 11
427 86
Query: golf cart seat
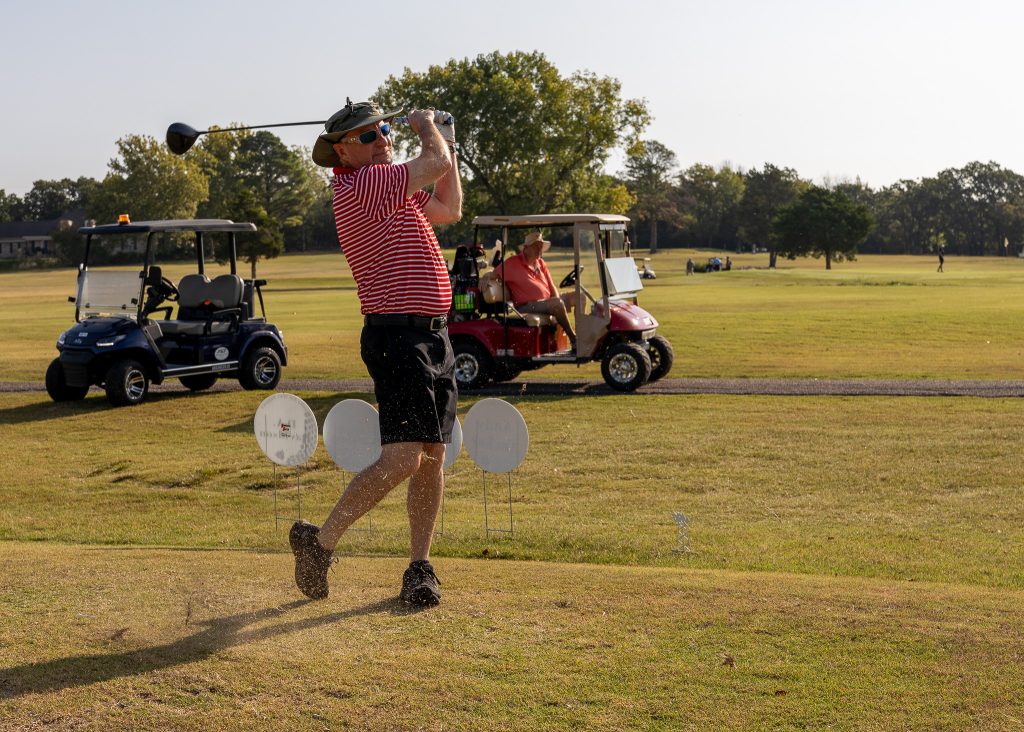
497 294
206 307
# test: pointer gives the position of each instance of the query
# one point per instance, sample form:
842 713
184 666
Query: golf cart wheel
472 365
260 370
58 388
662 357
626 366
198 382
127 383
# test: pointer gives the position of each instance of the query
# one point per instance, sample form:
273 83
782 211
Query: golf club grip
404 120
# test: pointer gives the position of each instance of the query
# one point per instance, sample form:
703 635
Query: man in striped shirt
385 219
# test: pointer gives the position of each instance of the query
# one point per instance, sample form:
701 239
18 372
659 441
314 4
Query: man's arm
434 160
445 206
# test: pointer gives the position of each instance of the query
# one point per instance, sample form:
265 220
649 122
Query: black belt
423 322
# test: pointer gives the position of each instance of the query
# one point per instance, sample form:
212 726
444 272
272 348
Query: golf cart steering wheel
571 279
166 290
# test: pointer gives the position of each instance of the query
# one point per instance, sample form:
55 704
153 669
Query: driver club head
181 137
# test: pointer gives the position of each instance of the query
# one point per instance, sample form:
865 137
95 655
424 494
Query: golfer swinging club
384 220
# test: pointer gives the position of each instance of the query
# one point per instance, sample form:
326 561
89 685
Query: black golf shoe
311 560
420 585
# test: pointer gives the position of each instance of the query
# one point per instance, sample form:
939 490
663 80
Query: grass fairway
850 563
101 638
877 317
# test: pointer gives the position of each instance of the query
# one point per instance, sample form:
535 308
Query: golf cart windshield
620 267
110 283
109 293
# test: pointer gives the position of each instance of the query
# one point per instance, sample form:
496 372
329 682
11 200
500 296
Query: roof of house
35 229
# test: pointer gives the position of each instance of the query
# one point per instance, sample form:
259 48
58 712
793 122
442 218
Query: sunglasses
369 136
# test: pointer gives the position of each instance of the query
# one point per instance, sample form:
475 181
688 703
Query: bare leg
397 462
552 306
425 490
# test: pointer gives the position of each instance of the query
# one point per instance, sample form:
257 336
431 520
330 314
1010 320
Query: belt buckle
438 322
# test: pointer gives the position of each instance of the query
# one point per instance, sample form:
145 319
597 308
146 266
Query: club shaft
260 127
403 120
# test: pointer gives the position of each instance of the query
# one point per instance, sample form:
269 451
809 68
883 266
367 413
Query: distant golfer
942 261
384 221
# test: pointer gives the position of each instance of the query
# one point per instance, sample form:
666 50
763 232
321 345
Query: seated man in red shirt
528 278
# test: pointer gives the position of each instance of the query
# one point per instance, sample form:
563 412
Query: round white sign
453 447
352 435
221 353
496 436
285 429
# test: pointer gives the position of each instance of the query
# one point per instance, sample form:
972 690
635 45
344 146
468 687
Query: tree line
533 140
974 210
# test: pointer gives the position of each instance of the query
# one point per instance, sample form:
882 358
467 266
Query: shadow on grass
218 634
47 409
94 403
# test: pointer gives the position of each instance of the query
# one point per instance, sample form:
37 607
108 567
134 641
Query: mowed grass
913 488
877 317
847 563
105 638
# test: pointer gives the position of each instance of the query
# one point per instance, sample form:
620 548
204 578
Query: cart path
768 387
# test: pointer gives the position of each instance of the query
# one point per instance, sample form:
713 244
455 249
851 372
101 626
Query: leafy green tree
217 157
280 177
822 223
316 228
980 207
650 175
532 140
711 198
10 206
766 192
255 177
148 182
48 199
909 216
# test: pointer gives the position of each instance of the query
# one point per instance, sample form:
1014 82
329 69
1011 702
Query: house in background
22 239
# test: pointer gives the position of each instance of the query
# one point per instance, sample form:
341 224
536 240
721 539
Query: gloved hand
447 130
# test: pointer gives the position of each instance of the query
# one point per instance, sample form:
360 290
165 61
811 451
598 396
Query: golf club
181 137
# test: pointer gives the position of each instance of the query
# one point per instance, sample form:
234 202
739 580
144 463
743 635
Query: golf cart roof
145 227
537 220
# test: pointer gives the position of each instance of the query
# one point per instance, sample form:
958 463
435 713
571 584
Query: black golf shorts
413 372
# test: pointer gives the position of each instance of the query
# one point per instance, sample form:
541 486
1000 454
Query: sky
880 90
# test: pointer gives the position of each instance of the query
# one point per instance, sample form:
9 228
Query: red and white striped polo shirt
388 242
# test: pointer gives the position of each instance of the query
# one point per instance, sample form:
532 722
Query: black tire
261 369
127 383
662 357
626 366
472 365
198 382
58 388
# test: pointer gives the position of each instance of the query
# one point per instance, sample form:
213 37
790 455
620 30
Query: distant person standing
942 260
689 266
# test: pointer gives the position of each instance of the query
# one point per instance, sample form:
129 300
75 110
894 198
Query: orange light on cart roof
124 219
